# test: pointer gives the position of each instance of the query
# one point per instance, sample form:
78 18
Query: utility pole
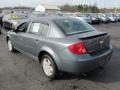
104 7
116 6
83 5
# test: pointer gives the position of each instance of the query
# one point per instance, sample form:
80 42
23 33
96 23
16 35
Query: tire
10 46
48 67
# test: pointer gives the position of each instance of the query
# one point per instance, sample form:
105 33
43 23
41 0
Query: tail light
78 48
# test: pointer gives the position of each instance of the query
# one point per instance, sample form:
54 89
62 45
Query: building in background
47 8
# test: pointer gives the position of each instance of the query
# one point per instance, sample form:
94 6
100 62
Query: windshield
73 26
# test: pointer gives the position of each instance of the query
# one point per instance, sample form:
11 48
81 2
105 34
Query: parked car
37 14
0 32
94 18
111 17
117 18
61 44
80 18
73 15
1 21
103 18
86 19
10 20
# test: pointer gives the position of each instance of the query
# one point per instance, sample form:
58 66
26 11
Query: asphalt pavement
19 72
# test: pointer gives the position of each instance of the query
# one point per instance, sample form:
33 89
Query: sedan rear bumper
82 66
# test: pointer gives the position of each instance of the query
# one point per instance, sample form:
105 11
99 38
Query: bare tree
69 8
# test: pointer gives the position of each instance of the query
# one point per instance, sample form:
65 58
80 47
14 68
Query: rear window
73 26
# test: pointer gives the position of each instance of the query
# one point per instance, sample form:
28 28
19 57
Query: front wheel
10 46
49 67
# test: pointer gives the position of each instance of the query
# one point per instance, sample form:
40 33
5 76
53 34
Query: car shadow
111 73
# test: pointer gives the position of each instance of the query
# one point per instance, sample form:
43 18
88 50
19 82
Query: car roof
45 19
50 18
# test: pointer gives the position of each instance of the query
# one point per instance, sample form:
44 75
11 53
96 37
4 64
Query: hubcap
10 45
47 67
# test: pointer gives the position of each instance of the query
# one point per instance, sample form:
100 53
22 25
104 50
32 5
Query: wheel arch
52 54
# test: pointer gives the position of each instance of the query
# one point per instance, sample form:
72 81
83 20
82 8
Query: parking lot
18 72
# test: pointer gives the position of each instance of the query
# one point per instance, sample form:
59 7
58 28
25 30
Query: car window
23 27
73 26
45 29
39 28
35 28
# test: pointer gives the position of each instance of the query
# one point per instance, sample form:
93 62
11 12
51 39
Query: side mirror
18 30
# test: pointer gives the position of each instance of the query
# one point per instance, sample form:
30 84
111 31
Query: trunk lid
95 41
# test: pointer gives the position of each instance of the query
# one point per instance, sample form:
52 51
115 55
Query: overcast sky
34 3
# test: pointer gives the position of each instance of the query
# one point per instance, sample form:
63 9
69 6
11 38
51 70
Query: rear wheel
10 46
49 67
